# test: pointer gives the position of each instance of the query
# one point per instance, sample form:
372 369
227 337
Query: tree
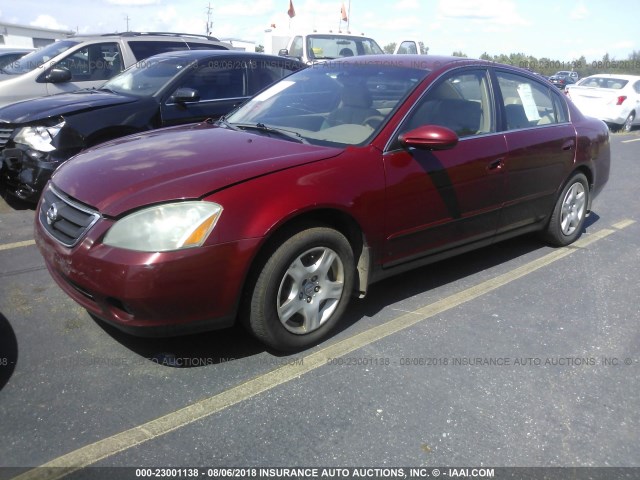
260 48
459 54
390 48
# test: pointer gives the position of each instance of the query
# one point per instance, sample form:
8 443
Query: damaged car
173 88
330 180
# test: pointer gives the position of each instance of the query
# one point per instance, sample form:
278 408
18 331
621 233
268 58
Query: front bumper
26 176
150 294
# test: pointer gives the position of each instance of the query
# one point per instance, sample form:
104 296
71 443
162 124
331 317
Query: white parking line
95 452
629 141
9 246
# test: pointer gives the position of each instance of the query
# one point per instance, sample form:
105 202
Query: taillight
621 99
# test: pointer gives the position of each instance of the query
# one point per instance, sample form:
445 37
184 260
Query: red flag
343 13
291 12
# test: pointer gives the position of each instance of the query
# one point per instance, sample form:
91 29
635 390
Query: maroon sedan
332 179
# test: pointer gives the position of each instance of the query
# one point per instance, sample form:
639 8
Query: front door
90 66
221 86
437 200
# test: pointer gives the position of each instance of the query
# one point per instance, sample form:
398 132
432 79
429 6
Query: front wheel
302 290
569 212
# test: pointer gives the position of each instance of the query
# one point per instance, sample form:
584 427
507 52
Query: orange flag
343 13
291 12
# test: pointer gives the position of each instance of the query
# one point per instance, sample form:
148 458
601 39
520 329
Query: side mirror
186 95
283 52
430 137
58 75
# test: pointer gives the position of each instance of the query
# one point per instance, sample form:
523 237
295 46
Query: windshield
335 103
148 76
39 58
328 47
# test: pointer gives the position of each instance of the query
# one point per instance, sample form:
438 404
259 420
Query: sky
559 30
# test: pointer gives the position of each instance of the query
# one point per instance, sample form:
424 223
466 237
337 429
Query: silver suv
88 61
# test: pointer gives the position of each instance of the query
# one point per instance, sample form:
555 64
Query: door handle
496 165
568 145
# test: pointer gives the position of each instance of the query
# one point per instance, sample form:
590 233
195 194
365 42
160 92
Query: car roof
204 54
157 35
423 62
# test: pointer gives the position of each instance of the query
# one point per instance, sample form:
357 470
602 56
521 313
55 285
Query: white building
25 36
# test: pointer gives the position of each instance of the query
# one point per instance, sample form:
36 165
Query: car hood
185 162
28 111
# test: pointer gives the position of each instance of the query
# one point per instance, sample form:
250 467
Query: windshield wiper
223 122
261 127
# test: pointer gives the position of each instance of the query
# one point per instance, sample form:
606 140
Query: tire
628 123
569 213
302 289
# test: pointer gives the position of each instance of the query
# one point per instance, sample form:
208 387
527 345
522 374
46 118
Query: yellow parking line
90 454
9 246
623 223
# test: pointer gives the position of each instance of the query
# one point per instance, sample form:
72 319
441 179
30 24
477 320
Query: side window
215 82
528 103
263 73
296 47
560 108
636 86
408 47
100 61
461 102
144 48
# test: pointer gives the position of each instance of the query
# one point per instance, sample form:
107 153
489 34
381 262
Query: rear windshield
605 82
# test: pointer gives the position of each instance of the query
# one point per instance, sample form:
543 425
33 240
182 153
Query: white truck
318 47
408 47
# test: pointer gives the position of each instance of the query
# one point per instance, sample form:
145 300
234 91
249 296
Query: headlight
166 227
39 137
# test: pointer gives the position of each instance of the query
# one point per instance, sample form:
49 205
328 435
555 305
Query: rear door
541 143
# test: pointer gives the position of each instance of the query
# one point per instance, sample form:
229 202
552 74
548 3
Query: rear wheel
628 123
569 212
302 290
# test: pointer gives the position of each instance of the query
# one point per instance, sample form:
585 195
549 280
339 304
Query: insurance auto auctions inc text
349 473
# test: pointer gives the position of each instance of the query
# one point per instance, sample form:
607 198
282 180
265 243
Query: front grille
64 219
5 134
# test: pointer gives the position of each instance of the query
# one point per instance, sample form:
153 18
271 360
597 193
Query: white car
86 61
615 99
